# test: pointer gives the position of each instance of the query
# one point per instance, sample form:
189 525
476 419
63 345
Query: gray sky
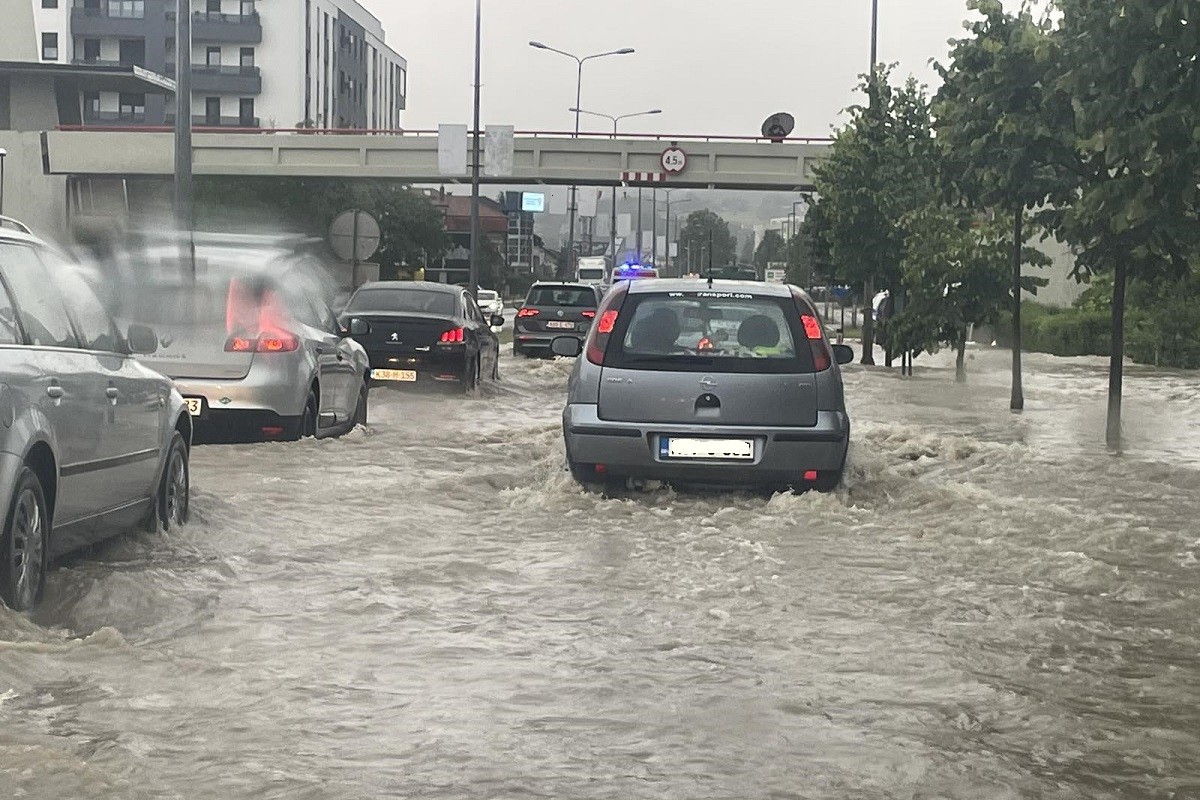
713 66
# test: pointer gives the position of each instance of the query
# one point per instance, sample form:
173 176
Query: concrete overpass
553 158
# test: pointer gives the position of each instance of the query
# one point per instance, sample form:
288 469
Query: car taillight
822 357
453 336
589 314
267 343
525 313
597 342
254 309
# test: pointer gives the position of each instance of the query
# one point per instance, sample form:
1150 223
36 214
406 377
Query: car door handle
55 391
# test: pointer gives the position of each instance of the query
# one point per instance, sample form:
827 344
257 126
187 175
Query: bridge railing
416 134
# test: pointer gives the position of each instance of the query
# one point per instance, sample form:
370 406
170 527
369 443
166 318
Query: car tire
517 351
175 487
470 381
306 427
496 366
24 545
360 412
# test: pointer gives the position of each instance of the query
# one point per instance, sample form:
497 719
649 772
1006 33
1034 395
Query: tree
705 239
1000 131
1131 72
956 268
412 229
880 168
772 249
808 251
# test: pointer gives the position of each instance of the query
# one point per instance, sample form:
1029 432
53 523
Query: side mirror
843 353
357 327
566 346
497 320
142 341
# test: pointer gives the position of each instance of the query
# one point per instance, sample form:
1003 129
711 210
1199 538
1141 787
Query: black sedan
418 333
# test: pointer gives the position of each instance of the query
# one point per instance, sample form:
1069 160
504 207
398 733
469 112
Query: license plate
401 375
562 326
671 447
195 405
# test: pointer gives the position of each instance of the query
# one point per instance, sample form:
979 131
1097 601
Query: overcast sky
712 66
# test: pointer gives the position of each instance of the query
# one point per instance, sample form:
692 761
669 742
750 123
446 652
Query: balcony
223 80
111 19
215 28
202 121
114 118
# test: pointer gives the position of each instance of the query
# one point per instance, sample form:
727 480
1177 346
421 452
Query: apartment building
255 63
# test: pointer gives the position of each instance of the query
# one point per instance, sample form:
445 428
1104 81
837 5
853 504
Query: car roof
420 286
702 284
562 285
14 235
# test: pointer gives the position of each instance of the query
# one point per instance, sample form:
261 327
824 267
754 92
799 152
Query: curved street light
624 51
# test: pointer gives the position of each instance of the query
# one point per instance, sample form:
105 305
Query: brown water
994 607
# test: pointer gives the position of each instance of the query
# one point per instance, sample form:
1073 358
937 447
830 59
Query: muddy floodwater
994 607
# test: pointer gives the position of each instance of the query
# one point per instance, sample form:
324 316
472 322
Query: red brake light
822 357
812 328
810 475
589 314
528 312
239 344
608 320
453 336
267 343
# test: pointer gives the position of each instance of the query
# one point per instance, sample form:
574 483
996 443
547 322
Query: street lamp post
615 120
3 155
677 202
473 279
578 102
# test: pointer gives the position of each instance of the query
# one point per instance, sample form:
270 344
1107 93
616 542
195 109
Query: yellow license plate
401 375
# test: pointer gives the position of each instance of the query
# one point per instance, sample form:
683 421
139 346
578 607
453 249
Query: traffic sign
674 160
354 236
643 177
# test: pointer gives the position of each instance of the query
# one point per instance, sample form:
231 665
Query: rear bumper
440 365
244 426
540 340
280 388
781 455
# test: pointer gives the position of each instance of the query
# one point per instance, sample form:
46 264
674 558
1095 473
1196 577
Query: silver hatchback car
91 441
710 382
252 342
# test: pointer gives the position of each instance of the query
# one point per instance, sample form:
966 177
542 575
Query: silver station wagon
707 382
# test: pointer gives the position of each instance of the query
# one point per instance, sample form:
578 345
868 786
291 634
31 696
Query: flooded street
993 607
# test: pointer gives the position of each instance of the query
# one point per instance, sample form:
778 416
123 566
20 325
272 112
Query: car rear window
715 331
392 301
486 295
568 296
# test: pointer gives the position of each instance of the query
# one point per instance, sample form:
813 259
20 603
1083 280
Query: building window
91 49
132 51
133 106
49 47
213 6
91 105
212 111
247 8
212 57
246 113
246 58
49 3
127 9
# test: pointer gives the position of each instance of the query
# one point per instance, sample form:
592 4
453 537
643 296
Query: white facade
52 26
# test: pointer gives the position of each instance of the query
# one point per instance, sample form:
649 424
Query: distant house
455 267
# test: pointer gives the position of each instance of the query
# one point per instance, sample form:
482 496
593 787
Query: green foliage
881 167
412 228
808 252
1060 332
705 229
771 249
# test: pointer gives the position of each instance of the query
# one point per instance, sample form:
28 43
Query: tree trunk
868 327
960 365
1116 367
1018 389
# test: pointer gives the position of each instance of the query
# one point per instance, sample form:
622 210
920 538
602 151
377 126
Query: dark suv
552 310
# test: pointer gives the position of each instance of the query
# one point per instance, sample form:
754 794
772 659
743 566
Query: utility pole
639 224
654 227
473 281
183 130
868 334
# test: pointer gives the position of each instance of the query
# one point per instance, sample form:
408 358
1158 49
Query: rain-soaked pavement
994 607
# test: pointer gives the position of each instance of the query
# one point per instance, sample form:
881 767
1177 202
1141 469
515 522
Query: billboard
533 201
